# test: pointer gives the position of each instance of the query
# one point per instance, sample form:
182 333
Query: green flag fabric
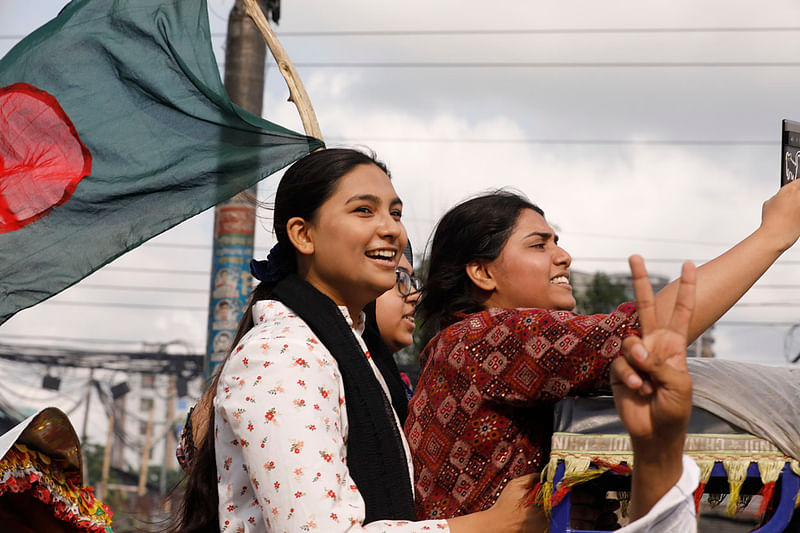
115 126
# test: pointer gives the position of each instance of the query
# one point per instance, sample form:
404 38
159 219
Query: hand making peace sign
653 390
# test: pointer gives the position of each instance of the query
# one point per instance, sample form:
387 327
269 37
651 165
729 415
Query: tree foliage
601 296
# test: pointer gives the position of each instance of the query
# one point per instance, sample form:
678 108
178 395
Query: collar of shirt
262 307
358 327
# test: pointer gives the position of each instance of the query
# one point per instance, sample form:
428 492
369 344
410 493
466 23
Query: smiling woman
350 248
305 426
508 347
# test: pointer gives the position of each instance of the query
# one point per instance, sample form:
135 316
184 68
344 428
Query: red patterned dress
482 412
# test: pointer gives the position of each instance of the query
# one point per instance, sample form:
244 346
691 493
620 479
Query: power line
779 262
181 245
128 305
600 142
532 31
619 237
738 323
74 339
142 362
145 270
205 291
767 304
508 31
145 289
545 64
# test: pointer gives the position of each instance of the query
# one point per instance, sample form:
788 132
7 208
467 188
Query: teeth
560 279
382 254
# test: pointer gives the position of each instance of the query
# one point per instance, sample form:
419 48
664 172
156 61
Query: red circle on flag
42 159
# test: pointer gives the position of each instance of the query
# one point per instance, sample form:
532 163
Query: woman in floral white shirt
307 415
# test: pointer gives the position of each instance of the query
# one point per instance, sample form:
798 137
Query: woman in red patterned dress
509 347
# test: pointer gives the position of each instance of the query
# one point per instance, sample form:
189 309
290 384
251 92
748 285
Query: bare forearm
656 469
474 522
723 281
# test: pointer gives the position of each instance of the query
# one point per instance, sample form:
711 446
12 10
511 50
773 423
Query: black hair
305 186
475 229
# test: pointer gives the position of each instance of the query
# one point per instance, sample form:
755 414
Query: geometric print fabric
482 411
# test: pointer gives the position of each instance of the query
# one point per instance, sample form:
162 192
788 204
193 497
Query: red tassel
530 498
560 494
766 495
698 495
620 469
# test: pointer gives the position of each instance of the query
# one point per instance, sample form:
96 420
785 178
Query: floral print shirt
281 434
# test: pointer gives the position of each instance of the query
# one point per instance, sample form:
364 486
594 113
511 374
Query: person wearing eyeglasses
394 309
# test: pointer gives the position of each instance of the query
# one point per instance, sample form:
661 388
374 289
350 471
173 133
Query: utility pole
84 434
101 493
234 220
169 438
145 462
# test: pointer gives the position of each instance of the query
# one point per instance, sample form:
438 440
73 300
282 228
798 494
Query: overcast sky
617 156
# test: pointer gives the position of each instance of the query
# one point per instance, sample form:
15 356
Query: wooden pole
148 434
297 92
107 457
84 436
169 437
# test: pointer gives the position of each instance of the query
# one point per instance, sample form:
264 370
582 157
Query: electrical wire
146 270
502 31
176 245
72 339
533 31
779 262
127 305
544 64
140 288
593 142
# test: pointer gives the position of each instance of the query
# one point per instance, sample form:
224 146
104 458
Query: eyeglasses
407 284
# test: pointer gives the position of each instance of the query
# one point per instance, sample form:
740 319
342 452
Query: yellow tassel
770 469
575 466
737 472
705 466
549 471
546 492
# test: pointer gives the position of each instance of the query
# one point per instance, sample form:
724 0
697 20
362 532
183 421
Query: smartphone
790 151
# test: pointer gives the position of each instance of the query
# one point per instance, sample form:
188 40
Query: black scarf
375 455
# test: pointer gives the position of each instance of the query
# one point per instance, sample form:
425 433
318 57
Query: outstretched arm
723 281
653 390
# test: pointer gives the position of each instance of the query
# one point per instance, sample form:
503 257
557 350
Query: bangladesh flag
115 126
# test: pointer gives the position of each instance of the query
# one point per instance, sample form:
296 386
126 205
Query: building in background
600 293
151 393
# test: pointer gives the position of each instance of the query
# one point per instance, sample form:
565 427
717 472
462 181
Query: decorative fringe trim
769 470
576 471
698 496
26 470
795 466
766 493
705 466
737 473
607 452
